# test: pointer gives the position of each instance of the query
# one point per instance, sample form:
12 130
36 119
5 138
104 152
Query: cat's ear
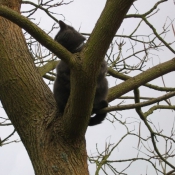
63 26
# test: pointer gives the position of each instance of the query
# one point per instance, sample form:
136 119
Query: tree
55 143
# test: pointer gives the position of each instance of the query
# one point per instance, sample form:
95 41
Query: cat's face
69 37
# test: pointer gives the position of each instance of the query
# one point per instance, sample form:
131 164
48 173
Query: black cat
74 42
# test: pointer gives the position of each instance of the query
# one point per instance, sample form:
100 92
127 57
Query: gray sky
83 14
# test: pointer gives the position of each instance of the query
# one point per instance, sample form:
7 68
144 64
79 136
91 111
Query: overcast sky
82 15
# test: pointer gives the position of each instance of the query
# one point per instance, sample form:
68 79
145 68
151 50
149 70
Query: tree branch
102 35
142 116
92 55
126 77
37 33
141 79
47 67
142 104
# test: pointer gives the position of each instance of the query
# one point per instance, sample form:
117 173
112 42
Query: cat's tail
98 118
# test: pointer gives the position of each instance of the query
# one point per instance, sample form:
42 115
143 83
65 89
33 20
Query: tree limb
37 33
141 79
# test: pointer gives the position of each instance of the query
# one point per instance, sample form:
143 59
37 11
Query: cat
73 41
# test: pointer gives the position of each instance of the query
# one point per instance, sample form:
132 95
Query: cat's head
69 38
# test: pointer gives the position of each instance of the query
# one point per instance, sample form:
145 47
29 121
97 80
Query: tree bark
141 79
55 144
30 106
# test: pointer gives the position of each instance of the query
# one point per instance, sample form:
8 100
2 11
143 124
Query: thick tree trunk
55 144
30 105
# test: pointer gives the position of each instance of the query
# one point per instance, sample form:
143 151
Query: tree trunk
30 105
55 144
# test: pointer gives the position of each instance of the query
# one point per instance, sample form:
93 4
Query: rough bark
89 62
30 105
55 144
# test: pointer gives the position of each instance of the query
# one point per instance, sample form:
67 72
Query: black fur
73 42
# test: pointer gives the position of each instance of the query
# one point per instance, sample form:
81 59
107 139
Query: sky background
82 15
